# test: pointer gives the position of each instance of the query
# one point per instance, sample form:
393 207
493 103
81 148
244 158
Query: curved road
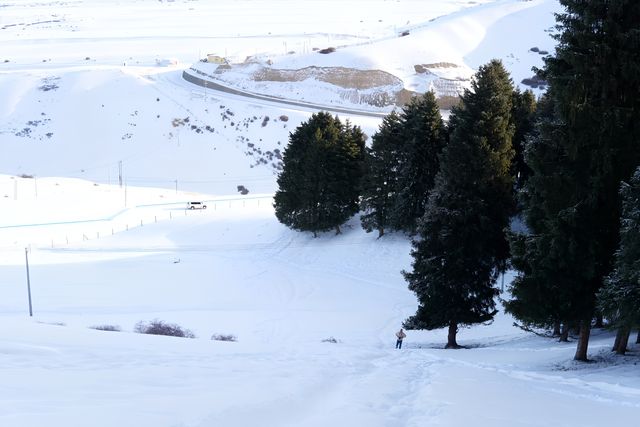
221 88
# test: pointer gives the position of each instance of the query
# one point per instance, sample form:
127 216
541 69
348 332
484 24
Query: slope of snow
101 150
232 269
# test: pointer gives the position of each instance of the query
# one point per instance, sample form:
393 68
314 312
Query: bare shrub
53 323
331 340
224 337
327 50
265 121
111 328
159 327
284 118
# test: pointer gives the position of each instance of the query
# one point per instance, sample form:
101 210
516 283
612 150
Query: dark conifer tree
320 181
524 109
424 136
544 254
462 246
380 182
619 299
595 89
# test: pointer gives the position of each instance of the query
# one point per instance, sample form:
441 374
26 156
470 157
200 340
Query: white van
196 205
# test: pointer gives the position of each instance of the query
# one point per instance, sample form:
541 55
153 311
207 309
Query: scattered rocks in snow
537 50
49 83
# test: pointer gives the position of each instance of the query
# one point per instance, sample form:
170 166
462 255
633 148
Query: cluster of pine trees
564 166
576 262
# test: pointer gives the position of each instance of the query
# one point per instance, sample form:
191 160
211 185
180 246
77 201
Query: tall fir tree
545 254
319 185
462 246
423 137
524 109
595 89
381 176
619 299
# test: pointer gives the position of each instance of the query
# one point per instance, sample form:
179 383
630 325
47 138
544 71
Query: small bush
158 327
53 323
265 121
224 337
111 328
327 50
284 118
331 340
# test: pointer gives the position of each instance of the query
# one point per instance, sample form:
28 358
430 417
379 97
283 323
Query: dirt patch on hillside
347 78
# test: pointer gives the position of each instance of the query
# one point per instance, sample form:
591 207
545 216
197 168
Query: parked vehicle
196 205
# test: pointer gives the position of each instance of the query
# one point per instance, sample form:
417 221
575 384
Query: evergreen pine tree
462 247
424 136
594 86
380 181
544 255
320 181
524 108
619 299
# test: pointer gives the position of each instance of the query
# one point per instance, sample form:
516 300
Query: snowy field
101 150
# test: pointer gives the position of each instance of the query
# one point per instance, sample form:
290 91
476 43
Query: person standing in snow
400 335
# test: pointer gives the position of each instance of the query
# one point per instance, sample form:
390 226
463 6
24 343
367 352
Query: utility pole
176 186
26 257
120 173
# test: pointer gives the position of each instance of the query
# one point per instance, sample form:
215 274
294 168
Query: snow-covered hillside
82 90
103 144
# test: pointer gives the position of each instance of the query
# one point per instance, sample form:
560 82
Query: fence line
64 233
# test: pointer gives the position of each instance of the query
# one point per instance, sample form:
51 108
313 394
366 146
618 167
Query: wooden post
26 258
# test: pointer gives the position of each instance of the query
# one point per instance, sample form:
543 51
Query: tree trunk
380 232
638 338
338 231
616 342
564 335
624 339
451 338
556 329
583 341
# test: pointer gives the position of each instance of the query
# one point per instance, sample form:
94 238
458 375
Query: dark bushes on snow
224 337
327 50
158 327
112 328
